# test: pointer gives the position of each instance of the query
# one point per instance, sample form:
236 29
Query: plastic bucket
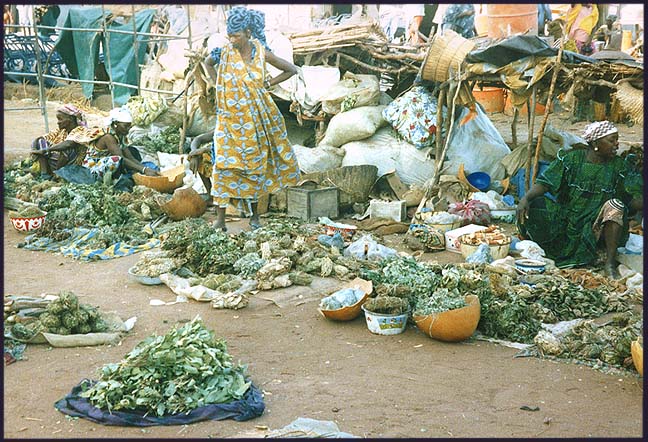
505 20
491 98
382 324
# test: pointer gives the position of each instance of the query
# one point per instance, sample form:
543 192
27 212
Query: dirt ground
406 385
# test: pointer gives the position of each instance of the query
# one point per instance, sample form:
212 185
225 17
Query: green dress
563 228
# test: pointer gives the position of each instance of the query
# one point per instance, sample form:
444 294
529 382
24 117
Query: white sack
362 90
312 82
387 153
318 159
353 125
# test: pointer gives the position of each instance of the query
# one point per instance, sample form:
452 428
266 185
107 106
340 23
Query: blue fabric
462 25
240 18
249 407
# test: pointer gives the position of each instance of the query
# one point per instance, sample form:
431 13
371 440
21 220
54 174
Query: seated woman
595 190
69 119
110 152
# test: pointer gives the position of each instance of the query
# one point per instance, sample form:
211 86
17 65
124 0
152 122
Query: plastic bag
353 125
476 143
342 298
634 244
530 249
368 249
472 212
353 90
332 241
481 256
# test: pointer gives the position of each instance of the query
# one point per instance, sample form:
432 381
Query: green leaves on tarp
184 369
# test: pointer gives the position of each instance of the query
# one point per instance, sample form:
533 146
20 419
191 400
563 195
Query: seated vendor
69 120
596 191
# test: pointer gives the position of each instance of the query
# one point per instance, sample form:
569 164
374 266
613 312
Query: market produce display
166 141
184 369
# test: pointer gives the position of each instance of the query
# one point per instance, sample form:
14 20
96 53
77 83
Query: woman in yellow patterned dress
251 152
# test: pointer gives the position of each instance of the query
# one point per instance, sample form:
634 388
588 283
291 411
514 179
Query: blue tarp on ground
249 407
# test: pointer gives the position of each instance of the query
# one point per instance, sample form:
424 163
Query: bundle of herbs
166 141
90 205
175 373
204 249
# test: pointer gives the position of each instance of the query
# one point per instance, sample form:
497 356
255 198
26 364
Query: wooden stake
439 121
185 118
531 109
554 77
516 112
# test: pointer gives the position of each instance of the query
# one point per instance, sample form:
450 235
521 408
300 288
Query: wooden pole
516 112
135 46
439 121
39 72
107 53
185 119
531 109
554 77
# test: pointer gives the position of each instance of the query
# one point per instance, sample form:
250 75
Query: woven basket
447 51
631 101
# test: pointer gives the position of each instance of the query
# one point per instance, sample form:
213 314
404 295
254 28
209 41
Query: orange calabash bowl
452 325
353 311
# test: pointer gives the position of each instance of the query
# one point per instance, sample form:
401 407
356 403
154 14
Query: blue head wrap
240 18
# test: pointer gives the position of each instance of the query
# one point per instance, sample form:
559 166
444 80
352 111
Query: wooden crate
396 210
310 204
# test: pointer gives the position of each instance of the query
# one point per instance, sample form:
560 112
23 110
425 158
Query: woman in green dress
595 191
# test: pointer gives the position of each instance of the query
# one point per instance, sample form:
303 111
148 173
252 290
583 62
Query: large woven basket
631 101
447 51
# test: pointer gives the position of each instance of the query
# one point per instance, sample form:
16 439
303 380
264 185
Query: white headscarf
598 130
119 114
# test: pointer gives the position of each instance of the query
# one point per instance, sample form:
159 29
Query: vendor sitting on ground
111 151
201 159
595 190
70 120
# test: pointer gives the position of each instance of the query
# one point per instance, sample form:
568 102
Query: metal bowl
145 280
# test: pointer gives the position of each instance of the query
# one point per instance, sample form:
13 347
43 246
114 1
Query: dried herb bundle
184 369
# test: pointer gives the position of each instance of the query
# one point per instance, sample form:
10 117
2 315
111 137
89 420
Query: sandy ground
406 385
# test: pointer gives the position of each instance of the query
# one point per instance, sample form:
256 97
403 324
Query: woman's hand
522 211
194 163
150 172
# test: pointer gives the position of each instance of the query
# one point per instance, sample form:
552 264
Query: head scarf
70 109
598 130
119 114
241 18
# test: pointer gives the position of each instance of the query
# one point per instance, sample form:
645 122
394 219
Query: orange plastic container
492 98
505 20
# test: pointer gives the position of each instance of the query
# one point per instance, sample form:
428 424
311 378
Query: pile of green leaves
204 249
175 373
166 141
507 316
90 205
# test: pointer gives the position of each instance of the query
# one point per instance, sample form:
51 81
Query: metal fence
31 36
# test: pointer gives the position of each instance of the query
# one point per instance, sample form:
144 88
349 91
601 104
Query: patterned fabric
96 159
413 116
612 210
70 109
598 130
240 18
565 228
462 25
252 153
71 156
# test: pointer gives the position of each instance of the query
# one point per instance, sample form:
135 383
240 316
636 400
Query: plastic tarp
246 408
80 50
521 46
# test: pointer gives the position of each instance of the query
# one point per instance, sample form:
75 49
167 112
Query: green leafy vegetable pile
166 141
175 373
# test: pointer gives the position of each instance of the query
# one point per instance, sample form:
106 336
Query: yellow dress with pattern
252 154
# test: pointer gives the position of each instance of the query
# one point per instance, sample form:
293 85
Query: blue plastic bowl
480 180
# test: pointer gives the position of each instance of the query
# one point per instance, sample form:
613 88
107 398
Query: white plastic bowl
382 324
145 280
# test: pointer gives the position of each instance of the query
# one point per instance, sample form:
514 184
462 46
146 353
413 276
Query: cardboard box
396 210
452 236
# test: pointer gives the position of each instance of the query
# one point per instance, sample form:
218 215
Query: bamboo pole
135 46
439 122
39 72
183 133
107 52
554 77
531 112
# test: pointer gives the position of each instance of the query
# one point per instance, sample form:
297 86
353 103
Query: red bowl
27 224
